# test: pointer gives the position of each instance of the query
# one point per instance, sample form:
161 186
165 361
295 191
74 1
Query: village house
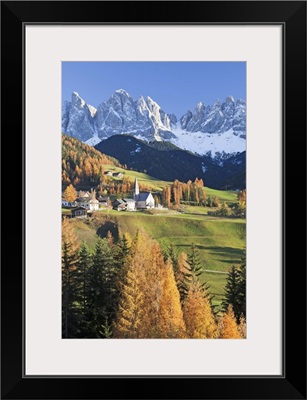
119 205
130 204
143 200
68 203
108 173
124 204
118 174
79 212
140 200
89 202
82 194
104 201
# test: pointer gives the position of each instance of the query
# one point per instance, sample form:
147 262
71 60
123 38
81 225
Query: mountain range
209 129
163 160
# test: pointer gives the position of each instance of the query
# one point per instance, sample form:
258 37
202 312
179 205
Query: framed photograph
173 139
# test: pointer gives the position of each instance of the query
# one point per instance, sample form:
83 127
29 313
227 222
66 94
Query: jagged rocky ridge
144 119
218 118
119 114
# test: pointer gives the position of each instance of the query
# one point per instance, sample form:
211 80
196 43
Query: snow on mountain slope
218 118
202 143
119 114
93 140
220 127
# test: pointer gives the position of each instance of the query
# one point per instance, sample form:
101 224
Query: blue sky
175 86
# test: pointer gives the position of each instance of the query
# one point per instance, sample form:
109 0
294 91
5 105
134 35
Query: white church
143 200
140 200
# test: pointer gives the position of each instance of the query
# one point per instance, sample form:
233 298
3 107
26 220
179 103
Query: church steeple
136 190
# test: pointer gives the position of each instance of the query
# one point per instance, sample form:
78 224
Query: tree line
82 165
194 193
132 289
177 192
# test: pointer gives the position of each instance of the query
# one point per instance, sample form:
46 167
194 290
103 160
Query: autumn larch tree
150 258
170 317
242 196
198 316
227 325
242 327
149 305
70 194
166 196
131 313
156 198
162 301
216 201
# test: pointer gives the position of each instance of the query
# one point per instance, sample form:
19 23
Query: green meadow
158 184
220 241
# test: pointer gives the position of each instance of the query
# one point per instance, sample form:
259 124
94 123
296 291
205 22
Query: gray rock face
145 119
185 119
218 118
119 114
77 118
173 119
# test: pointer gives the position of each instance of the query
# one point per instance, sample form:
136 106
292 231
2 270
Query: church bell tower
136 190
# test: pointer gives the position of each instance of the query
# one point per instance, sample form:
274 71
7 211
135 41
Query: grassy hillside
220 241
165 161
158 184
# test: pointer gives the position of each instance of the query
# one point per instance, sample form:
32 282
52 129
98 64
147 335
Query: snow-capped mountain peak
217 127
122 91
77 100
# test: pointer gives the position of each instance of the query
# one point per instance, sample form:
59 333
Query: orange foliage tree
228 326
149 304
199 319
70 193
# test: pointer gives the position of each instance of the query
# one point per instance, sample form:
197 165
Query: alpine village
148 258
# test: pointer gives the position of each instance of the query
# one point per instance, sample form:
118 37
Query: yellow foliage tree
149 305
69 238
131 314
170 317
70 193
228 326
199 319
242 327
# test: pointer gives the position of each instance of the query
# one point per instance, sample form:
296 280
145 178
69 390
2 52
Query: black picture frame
292 16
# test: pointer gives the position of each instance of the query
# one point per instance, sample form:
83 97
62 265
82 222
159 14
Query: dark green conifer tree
83 283
235 290
69 288
102 288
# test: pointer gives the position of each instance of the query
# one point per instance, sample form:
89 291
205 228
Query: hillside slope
165 161
220 242
82 165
